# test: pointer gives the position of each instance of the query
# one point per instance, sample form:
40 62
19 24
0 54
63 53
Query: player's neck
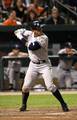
37 33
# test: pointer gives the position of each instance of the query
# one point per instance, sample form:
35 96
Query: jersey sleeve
62 54
62 51
74 51
43 41
10 54
22 33
34 46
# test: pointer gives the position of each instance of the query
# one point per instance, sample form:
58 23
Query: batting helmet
68 45
35 25
16 46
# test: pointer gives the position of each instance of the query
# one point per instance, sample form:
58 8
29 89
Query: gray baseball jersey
65 63
39 64
41 54
64 67
14 67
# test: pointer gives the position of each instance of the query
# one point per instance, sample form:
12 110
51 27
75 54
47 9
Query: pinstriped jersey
40 54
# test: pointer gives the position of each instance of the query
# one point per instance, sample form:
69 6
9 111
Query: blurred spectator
71 5
65 64
34 6
1 18
49 3
14 67
55 17
41 12
21 10
27 2
43 17
31 16
11 21
6 5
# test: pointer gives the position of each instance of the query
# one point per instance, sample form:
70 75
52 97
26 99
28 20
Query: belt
39 62
75 83
65 69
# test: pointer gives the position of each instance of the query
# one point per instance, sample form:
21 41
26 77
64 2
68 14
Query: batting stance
37 44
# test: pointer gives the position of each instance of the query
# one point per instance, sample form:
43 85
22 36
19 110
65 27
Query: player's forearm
24 54
21 35
18 33
34 46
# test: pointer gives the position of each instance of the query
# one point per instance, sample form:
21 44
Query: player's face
15 51
37 33
69 51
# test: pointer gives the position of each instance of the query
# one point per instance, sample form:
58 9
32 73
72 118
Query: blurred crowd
19 12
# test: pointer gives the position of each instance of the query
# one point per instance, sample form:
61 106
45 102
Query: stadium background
58 34
41 105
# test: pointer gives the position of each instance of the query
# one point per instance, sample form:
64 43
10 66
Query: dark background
56 33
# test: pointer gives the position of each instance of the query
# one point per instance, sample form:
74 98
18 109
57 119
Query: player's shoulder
44 37
74 50
62 51
28 32
23 31
10 54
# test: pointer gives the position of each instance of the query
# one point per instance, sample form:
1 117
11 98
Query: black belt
75 83
39 62
66 69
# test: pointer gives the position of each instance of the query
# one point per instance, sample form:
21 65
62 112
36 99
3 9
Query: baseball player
37 44
65 65
14 66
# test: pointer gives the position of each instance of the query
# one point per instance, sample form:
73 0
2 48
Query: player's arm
74 51
11 54
62 54
43 41
65 56
34 46
22 34
39 44
23 54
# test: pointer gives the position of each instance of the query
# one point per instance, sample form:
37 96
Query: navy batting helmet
16 46
35 25
68 45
